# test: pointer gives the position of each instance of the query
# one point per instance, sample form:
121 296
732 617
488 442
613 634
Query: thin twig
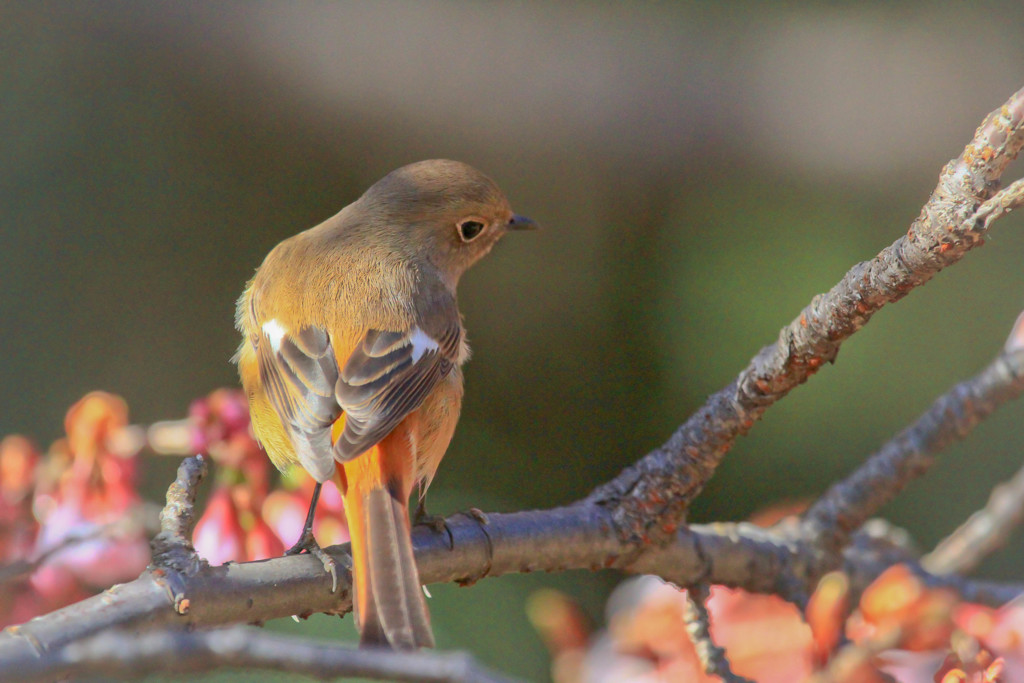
849 503
855 661
172 547
980 591
1005 201
121 655
984 532
138 520
650 498
698 626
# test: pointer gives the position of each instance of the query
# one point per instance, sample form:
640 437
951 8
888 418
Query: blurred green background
701 171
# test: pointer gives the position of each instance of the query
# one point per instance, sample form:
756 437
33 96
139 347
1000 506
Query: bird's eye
469 229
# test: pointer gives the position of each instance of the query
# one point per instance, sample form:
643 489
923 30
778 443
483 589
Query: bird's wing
388 376
299 373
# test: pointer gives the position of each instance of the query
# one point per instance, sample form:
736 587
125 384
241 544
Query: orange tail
390 608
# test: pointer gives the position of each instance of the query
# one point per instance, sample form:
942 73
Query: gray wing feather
381 383
299 379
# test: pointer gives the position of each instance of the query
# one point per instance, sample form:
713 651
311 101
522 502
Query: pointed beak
518 222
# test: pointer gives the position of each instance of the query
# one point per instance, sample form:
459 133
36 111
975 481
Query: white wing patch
421 343
275 333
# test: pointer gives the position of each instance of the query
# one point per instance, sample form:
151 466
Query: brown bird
352 343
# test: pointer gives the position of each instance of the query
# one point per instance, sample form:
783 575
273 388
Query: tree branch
577 537
650 498
984 532
698 626
115 653
172 547
849 503
631 523
138 522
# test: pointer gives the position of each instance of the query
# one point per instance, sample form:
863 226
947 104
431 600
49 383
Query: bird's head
444 210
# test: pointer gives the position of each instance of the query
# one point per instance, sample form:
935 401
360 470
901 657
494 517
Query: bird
351 355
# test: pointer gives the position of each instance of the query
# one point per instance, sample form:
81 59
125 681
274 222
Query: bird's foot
308 543
422 518
436 523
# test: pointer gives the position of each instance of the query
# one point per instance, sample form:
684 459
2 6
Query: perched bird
352 343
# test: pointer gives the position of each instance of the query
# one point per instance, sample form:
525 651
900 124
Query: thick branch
114 653
650 498
578 537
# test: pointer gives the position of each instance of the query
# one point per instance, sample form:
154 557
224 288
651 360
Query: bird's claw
477 514
435 523
308 543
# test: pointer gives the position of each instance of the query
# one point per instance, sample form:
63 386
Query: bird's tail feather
389 603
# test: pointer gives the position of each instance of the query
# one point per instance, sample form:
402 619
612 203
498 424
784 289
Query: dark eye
469 229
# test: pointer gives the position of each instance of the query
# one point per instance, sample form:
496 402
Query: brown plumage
352 342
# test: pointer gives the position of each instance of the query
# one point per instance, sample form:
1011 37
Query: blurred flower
244 520
331 524
72 511
285 509
217 418
69 522
218 536
97 489
231 528
826 614
898 603
783 649
96 554
563 628
100 482
902 629
911 628
261 542
981 668
90 423
647 641
996 631
220 427
285 513
19 459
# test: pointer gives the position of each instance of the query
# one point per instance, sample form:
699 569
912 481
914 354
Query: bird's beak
518 222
